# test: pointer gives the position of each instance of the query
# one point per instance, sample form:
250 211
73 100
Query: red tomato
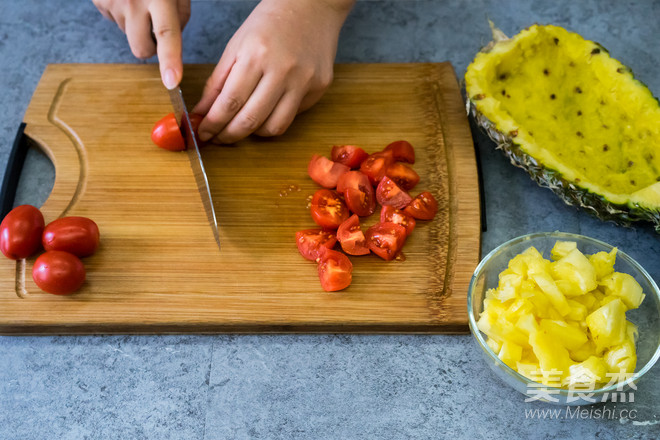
402 151
358 193
403 175
386 239
325 172
58 272
167 134
351 237
328 209
310 242
423 207
391 214
20 232
349 155
375 166
76 235
335 271
388 193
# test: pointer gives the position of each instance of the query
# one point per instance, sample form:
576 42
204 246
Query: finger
281 117
183 7
167 30
138 33
215 83
238 87
256 110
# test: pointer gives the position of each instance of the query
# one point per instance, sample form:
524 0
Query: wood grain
158 269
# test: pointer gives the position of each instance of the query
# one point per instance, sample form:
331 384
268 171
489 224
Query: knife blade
192 149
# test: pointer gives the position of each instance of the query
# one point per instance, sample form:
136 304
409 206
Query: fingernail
204 136
169 79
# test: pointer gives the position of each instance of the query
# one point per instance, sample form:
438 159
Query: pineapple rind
642 205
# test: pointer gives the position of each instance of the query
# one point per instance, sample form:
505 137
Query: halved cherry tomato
335 270
391 214
58 272
20 232
167 134
423 207
375 166
310 242
328 209
324 171
386 239
403 175
351 237
358 193
402 151
388 193
77 235
349 155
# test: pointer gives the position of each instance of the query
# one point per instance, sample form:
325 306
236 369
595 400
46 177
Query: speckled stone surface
310 386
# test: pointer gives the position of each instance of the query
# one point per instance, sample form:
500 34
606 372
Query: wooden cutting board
158 269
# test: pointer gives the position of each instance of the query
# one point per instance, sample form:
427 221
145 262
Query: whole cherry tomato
167 134
77 235
20 232
58 272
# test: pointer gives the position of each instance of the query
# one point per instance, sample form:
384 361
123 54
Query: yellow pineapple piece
527 324
510 353
568 288
625 287
603 262
494 345
551 354
593 370
621 358
508 287
607 324
518 265
575 268
588 300
562 248
584 352
554 295
517 308
578 310
568 336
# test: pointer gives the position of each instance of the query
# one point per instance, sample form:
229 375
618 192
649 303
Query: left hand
278 63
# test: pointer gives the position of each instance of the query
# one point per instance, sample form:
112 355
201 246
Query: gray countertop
311 386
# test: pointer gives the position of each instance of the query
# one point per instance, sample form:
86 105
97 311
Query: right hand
144 20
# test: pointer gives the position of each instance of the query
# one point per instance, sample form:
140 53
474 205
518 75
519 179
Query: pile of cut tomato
355 183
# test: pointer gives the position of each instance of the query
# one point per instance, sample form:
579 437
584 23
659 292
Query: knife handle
13 171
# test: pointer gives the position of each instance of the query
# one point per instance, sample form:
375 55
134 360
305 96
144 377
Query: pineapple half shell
576 119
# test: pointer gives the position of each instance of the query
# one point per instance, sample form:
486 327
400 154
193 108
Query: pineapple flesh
561 339
576 119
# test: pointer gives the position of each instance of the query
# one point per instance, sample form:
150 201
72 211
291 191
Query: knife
192 149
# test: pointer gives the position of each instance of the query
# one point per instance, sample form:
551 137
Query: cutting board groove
158 269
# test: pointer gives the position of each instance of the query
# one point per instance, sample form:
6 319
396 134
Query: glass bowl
646 317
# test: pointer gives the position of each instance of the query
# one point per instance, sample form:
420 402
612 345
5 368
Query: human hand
152 27
277 64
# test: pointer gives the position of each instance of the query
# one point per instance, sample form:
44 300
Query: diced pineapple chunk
625 287
578 310
570 337
584 352
607 324
593 370
552 356
494 345
621 358
562 248
575 268
510 353
527 324
603 262
548 286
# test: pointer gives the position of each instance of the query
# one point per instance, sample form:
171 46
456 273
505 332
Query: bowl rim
568 236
